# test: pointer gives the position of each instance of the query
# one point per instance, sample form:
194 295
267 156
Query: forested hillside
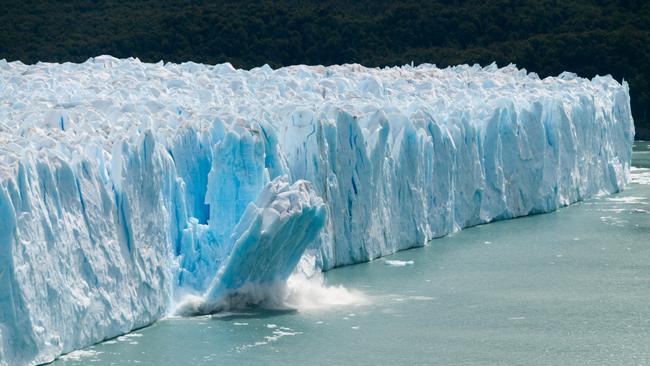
545 36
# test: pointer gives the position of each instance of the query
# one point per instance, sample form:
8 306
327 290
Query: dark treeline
545 36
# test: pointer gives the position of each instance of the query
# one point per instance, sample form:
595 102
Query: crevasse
130 190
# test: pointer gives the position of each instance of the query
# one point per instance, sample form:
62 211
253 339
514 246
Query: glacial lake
565 288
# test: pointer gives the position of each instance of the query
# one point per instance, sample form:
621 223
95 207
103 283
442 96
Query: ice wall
128 190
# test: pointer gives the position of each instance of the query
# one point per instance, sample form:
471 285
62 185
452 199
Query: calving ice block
130 190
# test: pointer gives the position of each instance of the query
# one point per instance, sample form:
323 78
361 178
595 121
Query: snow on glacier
130 190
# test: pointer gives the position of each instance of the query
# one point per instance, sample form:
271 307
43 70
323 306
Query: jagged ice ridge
131 190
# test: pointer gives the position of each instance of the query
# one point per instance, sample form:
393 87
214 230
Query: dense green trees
545 36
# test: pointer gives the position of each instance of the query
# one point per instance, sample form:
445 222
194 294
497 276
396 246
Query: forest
545 36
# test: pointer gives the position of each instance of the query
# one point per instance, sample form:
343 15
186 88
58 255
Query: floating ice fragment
398 263
517 318
80 354
421 298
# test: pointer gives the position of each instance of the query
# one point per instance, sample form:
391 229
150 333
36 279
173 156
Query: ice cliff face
128 190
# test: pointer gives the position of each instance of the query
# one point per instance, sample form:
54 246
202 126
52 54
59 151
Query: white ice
129 189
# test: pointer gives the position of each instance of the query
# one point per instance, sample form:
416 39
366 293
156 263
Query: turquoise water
565 288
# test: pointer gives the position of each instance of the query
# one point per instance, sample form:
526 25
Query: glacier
130 191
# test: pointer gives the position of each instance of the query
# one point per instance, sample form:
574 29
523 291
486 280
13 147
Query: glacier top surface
73 110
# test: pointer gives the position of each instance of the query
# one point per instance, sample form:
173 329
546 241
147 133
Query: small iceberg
398 263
